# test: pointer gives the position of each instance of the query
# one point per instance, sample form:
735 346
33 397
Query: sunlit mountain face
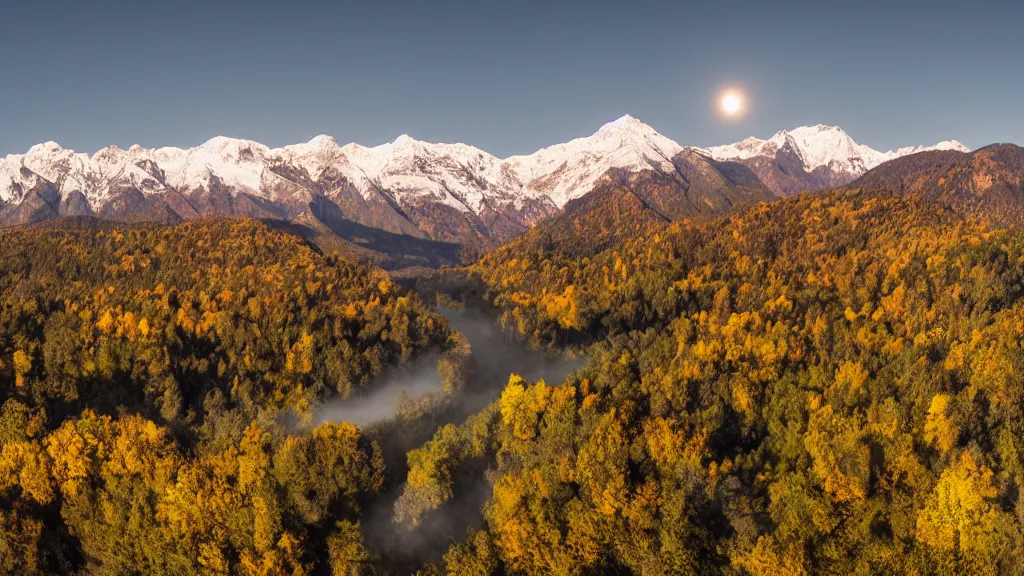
408 191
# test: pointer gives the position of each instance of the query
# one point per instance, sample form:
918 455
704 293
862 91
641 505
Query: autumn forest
824 384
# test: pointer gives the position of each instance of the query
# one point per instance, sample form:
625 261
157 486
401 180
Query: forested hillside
146 373
989 180
828 384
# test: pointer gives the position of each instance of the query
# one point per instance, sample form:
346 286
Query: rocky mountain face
451 193
812 158
427 199
989 180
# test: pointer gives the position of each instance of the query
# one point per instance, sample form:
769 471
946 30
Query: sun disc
731 104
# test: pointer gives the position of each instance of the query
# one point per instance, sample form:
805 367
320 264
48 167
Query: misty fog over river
496 355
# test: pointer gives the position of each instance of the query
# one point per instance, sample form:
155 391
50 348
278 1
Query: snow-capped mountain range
450 192
823 146
457 175
812 157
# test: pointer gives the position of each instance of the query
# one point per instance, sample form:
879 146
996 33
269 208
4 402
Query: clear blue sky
508 77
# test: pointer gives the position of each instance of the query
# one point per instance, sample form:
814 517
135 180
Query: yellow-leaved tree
962 515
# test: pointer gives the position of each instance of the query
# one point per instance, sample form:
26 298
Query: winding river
496 356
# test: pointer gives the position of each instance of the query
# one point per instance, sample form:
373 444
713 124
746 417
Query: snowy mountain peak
48 147
822 128
567 171
322 141
230 145
627 128
403 144
822 145
625 122
111 150
954 145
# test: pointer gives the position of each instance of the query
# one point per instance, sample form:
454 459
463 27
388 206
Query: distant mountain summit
812 157
564 172
434 192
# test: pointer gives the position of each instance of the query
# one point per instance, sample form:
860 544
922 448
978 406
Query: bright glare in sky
731 104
